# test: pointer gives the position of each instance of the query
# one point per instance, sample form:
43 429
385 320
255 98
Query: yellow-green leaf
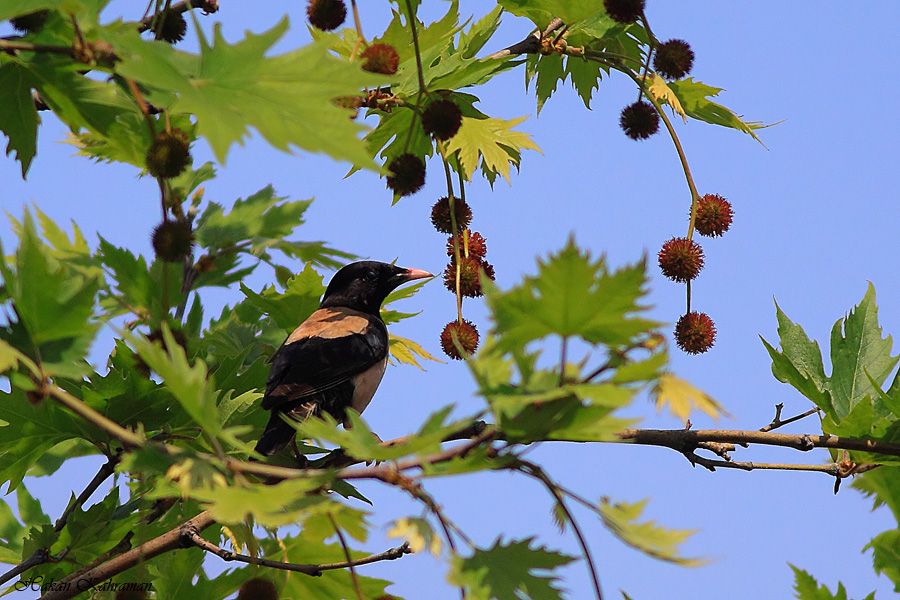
654 540
663 93
418 533
493 141
682 398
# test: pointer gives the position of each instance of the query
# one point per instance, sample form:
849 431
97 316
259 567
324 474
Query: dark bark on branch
686 440
207 6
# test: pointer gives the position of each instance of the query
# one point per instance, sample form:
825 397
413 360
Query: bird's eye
371 276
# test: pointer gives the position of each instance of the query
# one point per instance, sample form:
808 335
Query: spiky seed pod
440 214
30 23
169 154
624 11
173 27
477 245
380 58
131 595
470 273
466 335
695 332
407 174
326 15
173 240
442 119
639 120
713 216
681 259
674 59
258 589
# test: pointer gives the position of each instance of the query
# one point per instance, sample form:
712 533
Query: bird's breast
365 384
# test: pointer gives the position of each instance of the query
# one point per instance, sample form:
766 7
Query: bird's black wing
326 351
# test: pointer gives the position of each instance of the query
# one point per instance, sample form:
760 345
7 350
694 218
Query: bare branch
307 569
529 45
778 422
686 440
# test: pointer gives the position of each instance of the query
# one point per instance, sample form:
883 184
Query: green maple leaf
859 352
542 11
695 98
861 362
18 119
622 518
299 299
490 142
572 296
262 219
807 588
230 88
510 570
29 430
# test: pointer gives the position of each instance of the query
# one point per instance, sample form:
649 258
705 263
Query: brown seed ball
639 120
695 332
30 23
624 11
477 245
169 154
470 272
380 58
440 214
442 119
407 174
681 259
173 240
466 335
714 215
174 26
258 589
326 15
674 59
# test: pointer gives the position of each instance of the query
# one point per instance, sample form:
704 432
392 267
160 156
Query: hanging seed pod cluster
681 259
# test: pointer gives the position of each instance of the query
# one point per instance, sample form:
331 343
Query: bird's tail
276 435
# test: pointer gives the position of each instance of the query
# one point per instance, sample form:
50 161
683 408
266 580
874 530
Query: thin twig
538 473
346 548
777 421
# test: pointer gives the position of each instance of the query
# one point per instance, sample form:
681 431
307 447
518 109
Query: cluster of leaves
853 403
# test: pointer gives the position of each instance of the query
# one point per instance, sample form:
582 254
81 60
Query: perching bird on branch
336 358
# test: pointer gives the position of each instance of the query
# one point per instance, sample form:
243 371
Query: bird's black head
364 285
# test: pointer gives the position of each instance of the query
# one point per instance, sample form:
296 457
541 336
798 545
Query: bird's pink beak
413 274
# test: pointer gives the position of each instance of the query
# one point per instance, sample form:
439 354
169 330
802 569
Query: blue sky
816 219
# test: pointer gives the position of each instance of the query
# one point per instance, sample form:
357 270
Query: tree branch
533 470
778 422
530 44
307 569
128 438
180 537
42 555
346 548
687 440
207 6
